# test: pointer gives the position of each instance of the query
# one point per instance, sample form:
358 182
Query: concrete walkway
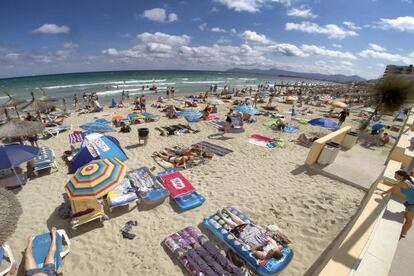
403 262
358 166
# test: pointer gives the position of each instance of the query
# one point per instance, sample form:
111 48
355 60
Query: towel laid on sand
216 149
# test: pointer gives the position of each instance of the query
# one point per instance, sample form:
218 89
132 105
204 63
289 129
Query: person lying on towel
261 244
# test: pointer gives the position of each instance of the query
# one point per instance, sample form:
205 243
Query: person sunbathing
260 242
48 268
177 161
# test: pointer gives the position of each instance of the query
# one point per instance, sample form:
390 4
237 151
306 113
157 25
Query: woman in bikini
177 161
261 244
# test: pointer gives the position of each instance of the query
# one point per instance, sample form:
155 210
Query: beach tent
323 122
97 146
97 126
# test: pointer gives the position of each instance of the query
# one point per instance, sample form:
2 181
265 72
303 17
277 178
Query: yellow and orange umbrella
339 104
96 179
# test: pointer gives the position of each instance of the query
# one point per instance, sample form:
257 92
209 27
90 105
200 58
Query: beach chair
86 210
44 160
41 244
264 268
54 131
122 195
191 248
148 188
182 191
6 254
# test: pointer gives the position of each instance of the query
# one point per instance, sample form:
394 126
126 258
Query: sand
269 185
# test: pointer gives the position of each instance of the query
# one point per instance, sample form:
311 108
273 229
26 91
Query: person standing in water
75 100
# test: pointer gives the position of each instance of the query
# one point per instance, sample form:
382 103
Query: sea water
111 84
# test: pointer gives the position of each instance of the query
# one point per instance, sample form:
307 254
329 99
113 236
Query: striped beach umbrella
96 179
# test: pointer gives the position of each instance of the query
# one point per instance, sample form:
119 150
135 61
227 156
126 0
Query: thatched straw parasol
10 210
13 101
18 128
36 105
46 98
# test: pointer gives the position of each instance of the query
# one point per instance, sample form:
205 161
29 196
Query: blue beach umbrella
97 146
377 126
263 94
12 155
323 122
97 127
248 109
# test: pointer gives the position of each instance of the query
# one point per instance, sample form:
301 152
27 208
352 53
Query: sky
351 37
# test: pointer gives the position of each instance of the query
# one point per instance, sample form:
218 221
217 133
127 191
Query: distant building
395 70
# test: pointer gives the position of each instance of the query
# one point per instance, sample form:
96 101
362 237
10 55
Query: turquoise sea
110 84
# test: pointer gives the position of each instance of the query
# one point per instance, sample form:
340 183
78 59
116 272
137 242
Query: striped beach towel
75 137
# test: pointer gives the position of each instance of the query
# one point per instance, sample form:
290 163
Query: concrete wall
398 154
317 146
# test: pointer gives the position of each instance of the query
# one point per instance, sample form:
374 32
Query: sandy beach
270 185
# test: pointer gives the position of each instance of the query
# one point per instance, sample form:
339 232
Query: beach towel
291 129
262 141
75 137
216 124
177 184
211 117
216 149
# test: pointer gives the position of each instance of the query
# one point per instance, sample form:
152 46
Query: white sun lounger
6 253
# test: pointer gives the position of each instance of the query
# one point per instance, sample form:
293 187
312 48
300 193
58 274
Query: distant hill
284 73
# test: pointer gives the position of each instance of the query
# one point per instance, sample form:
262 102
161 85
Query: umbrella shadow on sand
219 136
10 211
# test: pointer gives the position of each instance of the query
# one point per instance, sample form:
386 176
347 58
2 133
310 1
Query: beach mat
216 124
216 149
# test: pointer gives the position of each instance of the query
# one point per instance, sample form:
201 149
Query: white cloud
202 26
351 25
337 45
233 31
333 31
218 30
70 45
252 36
251 5
287 50
402 23
159 15
370 53
302 12
158 37
346 63
223 40
52 29
377 47
321 51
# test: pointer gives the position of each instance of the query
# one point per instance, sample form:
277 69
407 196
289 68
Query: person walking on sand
406 187
255 100
48 268
75 100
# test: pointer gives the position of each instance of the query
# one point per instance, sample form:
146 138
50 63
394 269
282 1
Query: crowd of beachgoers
151 184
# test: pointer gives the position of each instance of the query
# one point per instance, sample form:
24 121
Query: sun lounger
147 186
181 191
217 226
122 195
198 255
86 210
6 254
44 160
41 244
54 131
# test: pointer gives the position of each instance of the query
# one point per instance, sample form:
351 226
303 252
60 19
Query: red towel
177 184
259 137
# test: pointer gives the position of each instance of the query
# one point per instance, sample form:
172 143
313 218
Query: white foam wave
102 83
210 82
184 79
248 79
119 91
141 84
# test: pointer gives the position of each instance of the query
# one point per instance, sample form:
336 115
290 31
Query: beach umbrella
248 109
190 113
377 126
132 115
10 211
214 101
36 105
46 98
13 101
323 122
12 155
97 146
97 127
96 179
18 128
291 98
118 118
339 104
